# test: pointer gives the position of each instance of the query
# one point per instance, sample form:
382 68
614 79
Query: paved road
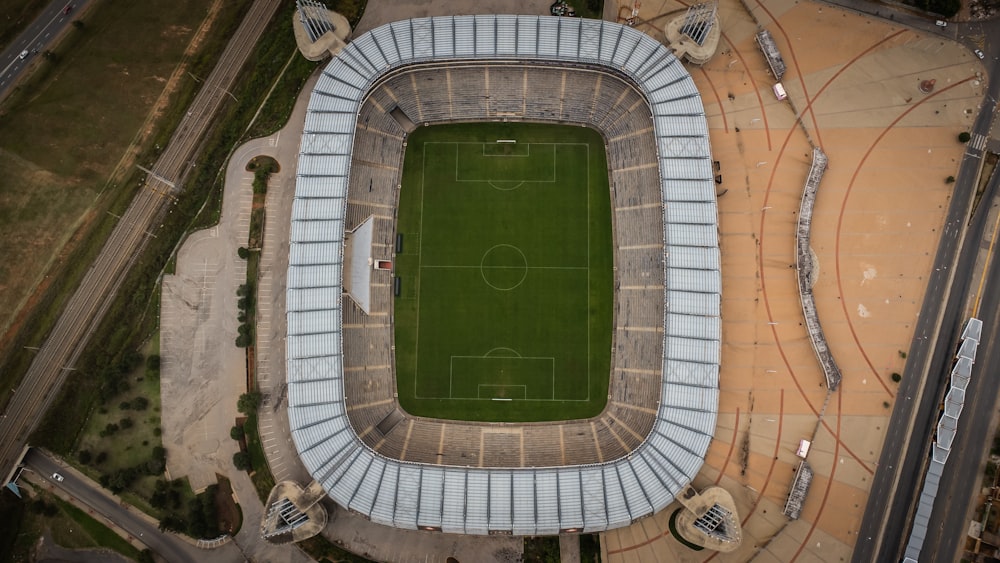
962 476
110 511
885 526
35 39
98 288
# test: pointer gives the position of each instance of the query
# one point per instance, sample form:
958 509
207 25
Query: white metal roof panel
689 373
324 275
681 189
697 281
689 303
326 367
595 507
315 254
570 502
477 501
453 517
431 497
692 326
384 508
500 501
693 257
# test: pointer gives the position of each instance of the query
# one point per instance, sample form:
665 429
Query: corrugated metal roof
523 500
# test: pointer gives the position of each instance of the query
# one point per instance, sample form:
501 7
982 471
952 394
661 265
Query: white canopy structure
482 500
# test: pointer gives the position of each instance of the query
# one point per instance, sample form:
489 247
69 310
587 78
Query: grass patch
261 476
26 520
98 533
505 307
541 549
593 9
66 143
590 548
322 549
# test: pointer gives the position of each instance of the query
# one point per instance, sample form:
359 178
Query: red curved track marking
843 206
777 445
732 446
770 316
829 482
795 64
718 100
836 434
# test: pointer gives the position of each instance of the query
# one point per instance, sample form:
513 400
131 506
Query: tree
964 137
237 432
949 180
242 461
242 252
84 456
140 403
896 377
153 362
125 423
248 403
244 341
78 24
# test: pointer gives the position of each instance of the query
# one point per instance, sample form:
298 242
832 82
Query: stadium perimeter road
852 81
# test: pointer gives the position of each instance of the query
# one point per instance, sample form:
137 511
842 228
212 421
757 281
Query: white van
779 91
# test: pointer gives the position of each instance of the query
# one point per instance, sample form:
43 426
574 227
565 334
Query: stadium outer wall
528 500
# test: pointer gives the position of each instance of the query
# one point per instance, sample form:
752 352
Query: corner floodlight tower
319 32
695 35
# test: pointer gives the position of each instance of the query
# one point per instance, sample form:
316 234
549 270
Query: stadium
649 442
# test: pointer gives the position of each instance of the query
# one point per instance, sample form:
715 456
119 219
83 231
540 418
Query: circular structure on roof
651 440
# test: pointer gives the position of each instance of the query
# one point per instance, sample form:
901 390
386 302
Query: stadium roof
522 501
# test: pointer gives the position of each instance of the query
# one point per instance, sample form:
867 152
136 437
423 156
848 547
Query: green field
506 281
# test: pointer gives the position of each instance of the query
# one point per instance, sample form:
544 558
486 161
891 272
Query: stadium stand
529 479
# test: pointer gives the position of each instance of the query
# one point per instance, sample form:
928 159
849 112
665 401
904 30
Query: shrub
140 403
84 456
248 403
964 137
242 461
949 180
124 405
125 423
101 458
896 377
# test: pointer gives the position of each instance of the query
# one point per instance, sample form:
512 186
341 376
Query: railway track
89 303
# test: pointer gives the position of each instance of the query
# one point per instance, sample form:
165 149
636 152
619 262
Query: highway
35 39
897 484
97 290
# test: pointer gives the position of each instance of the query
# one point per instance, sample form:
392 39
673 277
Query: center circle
503 267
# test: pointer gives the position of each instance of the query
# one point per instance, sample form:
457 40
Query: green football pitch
505 273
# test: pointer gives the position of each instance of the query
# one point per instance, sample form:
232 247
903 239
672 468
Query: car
23 55
941 23
57 477
979 54
67 9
